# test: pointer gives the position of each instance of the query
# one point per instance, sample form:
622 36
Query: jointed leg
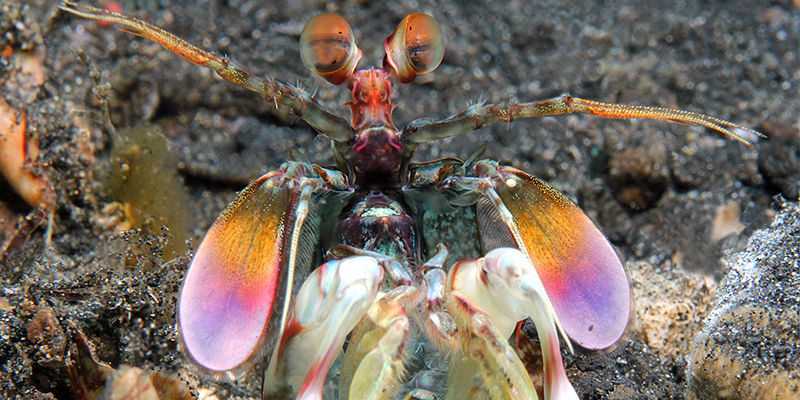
182 48
504 285
479 115
501 371
329 305
380 370
275 92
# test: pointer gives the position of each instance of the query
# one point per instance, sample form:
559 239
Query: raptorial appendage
328 306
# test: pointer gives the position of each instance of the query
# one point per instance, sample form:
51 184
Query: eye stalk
328 48
415 47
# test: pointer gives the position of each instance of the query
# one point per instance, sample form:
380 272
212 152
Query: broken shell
16 150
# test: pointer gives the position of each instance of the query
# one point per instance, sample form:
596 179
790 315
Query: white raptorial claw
506 287
329 305
511 268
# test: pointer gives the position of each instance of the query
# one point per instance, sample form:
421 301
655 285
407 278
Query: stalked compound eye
328 48
415 47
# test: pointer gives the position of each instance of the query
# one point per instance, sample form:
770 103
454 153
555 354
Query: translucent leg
502 373
329 305
379 371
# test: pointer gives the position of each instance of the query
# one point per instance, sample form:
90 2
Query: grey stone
750 347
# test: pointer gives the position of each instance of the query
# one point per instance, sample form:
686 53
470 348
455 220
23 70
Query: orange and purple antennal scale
308 256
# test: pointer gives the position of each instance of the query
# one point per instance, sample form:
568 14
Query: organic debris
17 151
143 179
94 380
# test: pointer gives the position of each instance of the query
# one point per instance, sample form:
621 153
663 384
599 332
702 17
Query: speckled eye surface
415 47
328 48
